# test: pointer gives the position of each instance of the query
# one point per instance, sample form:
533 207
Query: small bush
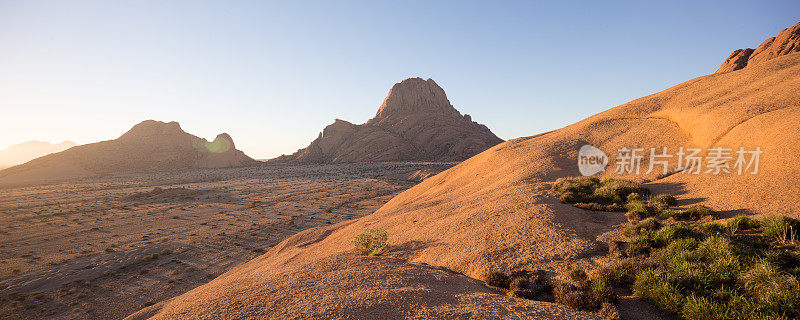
601 289
697 211
373 242
701 308
579 185
598 195
712 228
574 296
578 276
498 279
781 228
664 200
674 232
741 222
634 217
646 225
637 206
608 312
655 287
623 272
668 213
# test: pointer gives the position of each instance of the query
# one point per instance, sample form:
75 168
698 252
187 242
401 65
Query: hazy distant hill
148 146
26 151
415 122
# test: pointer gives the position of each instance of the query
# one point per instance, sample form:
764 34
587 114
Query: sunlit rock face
415 122
787 42
148 146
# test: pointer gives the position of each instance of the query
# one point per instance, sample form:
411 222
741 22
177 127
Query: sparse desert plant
712 228
575 296
373 242
601 288
646 225
608 312
655 287
781 228
742 222
664 200
591 193
578 276
697 211
578 185
498 279
637 206
623 272
702 308
702 271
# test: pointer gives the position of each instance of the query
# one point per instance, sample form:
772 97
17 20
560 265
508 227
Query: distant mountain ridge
26 151
148 146
415 122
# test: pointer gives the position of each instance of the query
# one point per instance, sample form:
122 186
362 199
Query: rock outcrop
415 122
148 146
787 41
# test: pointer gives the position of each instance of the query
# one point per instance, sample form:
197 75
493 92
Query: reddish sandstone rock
415 122
787 42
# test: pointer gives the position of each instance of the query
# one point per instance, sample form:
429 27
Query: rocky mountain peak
415 96
787 41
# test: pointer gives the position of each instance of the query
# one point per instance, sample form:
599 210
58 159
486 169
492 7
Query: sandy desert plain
105 248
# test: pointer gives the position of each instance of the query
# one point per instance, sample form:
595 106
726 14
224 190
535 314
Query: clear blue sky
273 74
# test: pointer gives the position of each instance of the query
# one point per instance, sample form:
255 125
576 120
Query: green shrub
774 291
674 232
697 211
599 195
637 206
640 244
701 308
702 271
601 289
373 242
664 200
668 213
617 190
649 224
578 185
654 287
623 272
781 228
712 228
742 222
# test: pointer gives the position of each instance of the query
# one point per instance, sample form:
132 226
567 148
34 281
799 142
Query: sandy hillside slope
495 210
148 146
